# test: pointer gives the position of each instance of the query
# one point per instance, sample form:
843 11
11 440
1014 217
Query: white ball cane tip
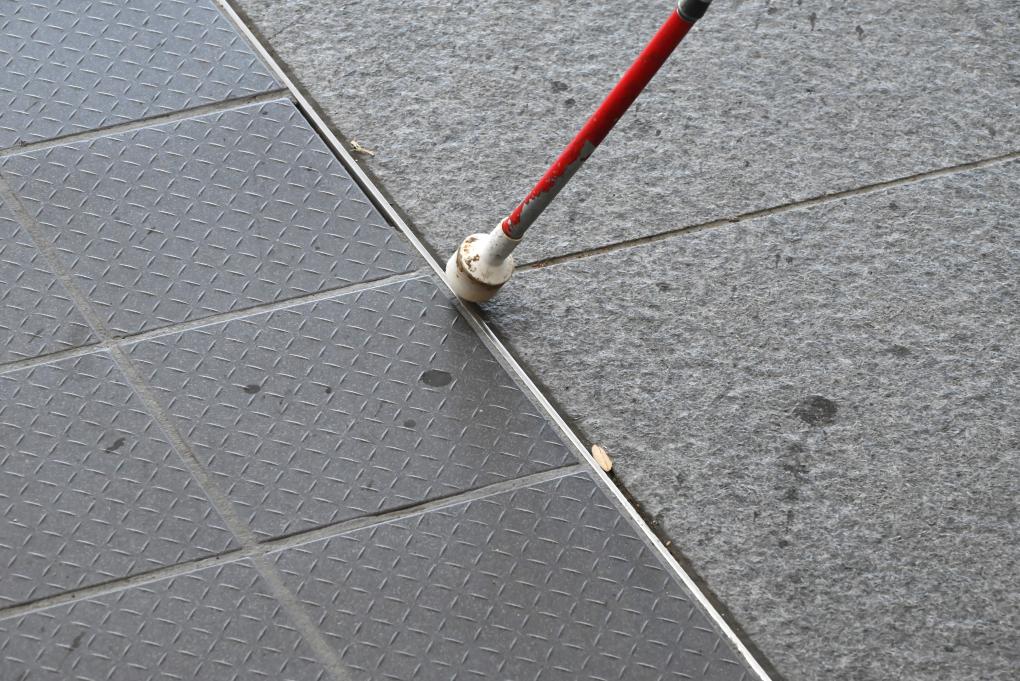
466 288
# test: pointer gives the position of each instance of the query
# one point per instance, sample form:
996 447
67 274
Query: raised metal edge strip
489 336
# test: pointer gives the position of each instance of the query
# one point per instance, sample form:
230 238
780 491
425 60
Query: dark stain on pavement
435 378
816 410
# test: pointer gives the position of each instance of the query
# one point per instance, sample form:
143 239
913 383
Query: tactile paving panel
90 491
72 65
36 315
345 407
542 583
215 624
206 215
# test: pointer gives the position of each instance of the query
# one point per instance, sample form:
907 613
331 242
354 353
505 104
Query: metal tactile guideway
245 430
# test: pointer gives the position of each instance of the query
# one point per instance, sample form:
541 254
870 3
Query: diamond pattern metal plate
544 583
347 407
72 65
219 623
207 215
90 491
36 315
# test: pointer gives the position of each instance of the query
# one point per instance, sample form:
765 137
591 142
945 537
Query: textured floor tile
90 491
766 102
205 215
218 623
547 582
346 407
36 315
822 408
72 65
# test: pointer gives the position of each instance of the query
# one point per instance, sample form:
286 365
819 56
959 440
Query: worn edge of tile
495 345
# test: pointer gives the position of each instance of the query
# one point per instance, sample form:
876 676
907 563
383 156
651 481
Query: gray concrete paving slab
544 582
90 489
36 315
217 623
226 211
348 407
821 408
68 66
767 102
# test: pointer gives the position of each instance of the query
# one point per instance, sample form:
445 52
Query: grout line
221 318
302 621
160 119
330 531
267 308
13 203
258 550
121 584
219 500
50 358
772 210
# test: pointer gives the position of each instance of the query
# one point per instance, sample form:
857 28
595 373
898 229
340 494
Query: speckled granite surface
820 408
464 104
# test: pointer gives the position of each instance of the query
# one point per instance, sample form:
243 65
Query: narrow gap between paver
771 210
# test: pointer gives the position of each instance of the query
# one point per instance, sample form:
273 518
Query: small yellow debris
601 458
357 148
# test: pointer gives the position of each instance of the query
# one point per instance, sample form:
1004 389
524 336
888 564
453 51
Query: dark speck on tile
117 444
436 378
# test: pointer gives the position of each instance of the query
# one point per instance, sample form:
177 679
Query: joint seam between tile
220 318
274 306
263 548
302 621
121 584
779 209
243 534
172 117
49 358
362 522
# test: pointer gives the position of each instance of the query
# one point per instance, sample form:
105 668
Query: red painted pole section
598 126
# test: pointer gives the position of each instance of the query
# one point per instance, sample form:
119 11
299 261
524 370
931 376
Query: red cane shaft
598 126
